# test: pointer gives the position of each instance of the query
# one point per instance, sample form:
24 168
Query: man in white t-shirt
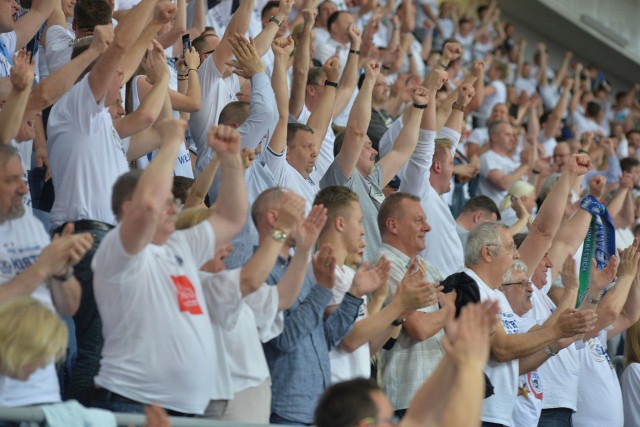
147 286
498 171
478 142
325 10
489 253
32 265
59 39
86 157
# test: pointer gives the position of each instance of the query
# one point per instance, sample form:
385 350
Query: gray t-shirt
371 197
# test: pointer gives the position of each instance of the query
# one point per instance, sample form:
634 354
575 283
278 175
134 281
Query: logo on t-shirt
187 300
535 385
509 322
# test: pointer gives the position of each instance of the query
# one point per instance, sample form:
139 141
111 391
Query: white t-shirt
158 341
504 376
560 373
526 412
216 94
325 156
288 177
10 40
498 97
583 124
347 366
58 51
259 321
524 85
86 156
488 162
183 161
479 136
25 149
631 395
444 249
599 394
21 242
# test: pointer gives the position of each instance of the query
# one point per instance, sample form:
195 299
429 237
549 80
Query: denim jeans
121 407
488 424
556 417
275 419
88 331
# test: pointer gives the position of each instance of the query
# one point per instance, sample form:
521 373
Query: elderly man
489 253
32 265
413 359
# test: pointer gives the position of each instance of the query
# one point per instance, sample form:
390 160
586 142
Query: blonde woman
31 337
631 377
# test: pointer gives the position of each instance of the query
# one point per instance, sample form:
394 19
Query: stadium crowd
314 212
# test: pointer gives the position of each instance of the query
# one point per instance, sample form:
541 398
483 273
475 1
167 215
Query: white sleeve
276 162
264 304
414 178
200 240
112 260
58 51
223 297
389 137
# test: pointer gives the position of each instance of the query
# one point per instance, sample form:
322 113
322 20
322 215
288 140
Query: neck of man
487 273
339 248
340 38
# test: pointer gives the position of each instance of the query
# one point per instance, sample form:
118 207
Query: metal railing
33 416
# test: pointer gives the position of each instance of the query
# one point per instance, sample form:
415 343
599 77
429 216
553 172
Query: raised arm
257 269
129 29
320 118
406 142
555 118
52 88
152 103
358 123
268 33
239 24
153 191
547 222
231 206
13 110
279 84
305 234
28 25
301 60
349 78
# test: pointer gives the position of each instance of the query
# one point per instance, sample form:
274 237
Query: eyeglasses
394 421
511 247
525 283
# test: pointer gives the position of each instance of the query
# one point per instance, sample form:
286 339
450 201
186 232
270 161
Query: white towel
73 414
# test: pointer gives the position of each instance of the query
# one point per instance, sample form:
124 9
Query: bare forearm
202 184
66 296
509 347
301 60
348 83
375 330
132 57
257 269
12 113
468 387
232 201
23 284
320 118
532 362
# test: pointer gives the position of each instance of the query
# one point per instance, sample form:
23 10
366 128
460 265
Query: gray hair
517 267
6 153
485 234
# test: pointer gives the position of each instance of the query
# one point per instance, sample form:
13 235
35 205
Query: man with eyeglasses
518 290
489 254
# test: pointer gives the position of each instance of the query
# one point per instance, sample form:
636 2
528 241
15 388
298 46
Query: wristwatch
64 277
275 20
550 353
278 235
458 107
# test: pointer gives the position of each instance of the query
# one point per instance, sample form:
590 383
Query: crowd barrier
34 417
